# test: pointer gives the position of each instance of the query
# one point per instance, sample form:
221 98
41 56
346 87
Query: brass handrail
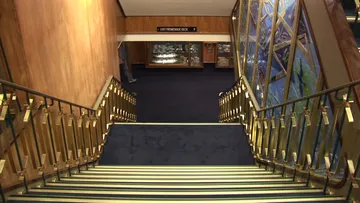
25 89
324 92
278 134
46 135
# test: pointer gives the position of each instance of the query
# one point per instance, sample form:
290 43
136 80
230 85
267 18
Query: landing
179 95
177 144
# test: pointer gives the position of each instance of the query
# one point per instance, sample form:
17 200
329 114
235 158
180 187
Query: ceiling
177 7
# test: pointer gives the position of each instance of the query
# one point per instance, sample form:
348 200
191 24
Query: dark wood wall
204 24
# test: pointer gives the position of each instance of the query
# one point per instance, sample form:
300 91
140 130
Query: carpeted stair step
179 186
182 168
164 194
90 199
174 184
201 144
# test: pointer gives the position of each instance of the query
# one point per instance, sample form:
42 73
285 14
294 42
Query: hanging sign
177 29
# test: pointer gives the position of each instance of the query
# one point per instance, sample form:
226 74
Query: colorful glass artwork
250 60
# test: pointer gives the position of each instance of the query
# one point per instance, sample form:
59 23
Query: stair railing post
305 123
7 118
318 133
271 128
2 166
353 178
72 123
64 137
28 115
287 148
80 125
56 158
337 142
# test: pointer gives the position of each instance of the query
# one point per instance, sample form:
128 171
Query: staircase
154 177
175 184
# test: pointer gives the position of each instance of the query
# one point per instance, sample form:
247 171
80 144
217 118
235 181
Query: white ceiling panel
177 7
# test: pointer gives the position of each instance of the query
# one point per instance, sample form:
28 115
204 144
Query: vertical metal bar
318 133
301 138
257 120
248 20
90 138
263 133
83 137
292 51
52 139
270 133
258 29
302 133
271 49
10 122
64 136
337 139
101 127
289 134
354 176
35 138
74 133
278 140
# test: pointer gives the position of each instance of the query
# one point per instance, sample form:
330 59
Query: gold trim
177 192
217 200
171 186
82 179
271 50
201 168
292 53
160 177
178 173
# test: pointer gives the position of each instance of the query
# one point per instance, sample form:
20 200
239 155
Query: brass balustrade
295 142
43 136
313 139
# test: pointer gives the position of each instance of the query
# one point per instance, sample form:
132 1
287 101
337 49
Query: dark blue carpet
176 145
179 95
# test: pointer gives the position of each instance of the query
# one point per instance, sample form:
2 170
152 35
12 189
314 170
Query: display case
175 54
224 57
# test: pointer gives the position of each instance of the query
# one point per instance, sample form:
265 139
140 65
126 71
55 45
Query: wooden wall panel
121 25
70 46
136 52
12 41
205 24
346 40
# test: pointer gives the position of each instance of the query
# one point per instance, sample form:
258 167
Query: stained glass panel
254 12
289 14
250 59
243 24
281 54
276 93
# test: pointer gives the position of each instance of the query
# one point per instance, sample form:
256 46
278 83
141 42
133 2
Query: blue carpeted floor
179 95
177 145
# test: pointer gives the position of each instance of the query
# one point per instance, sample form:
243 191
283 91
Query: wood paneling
209 52
136 52
215 25
12 41
346 40
70 47
121 25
